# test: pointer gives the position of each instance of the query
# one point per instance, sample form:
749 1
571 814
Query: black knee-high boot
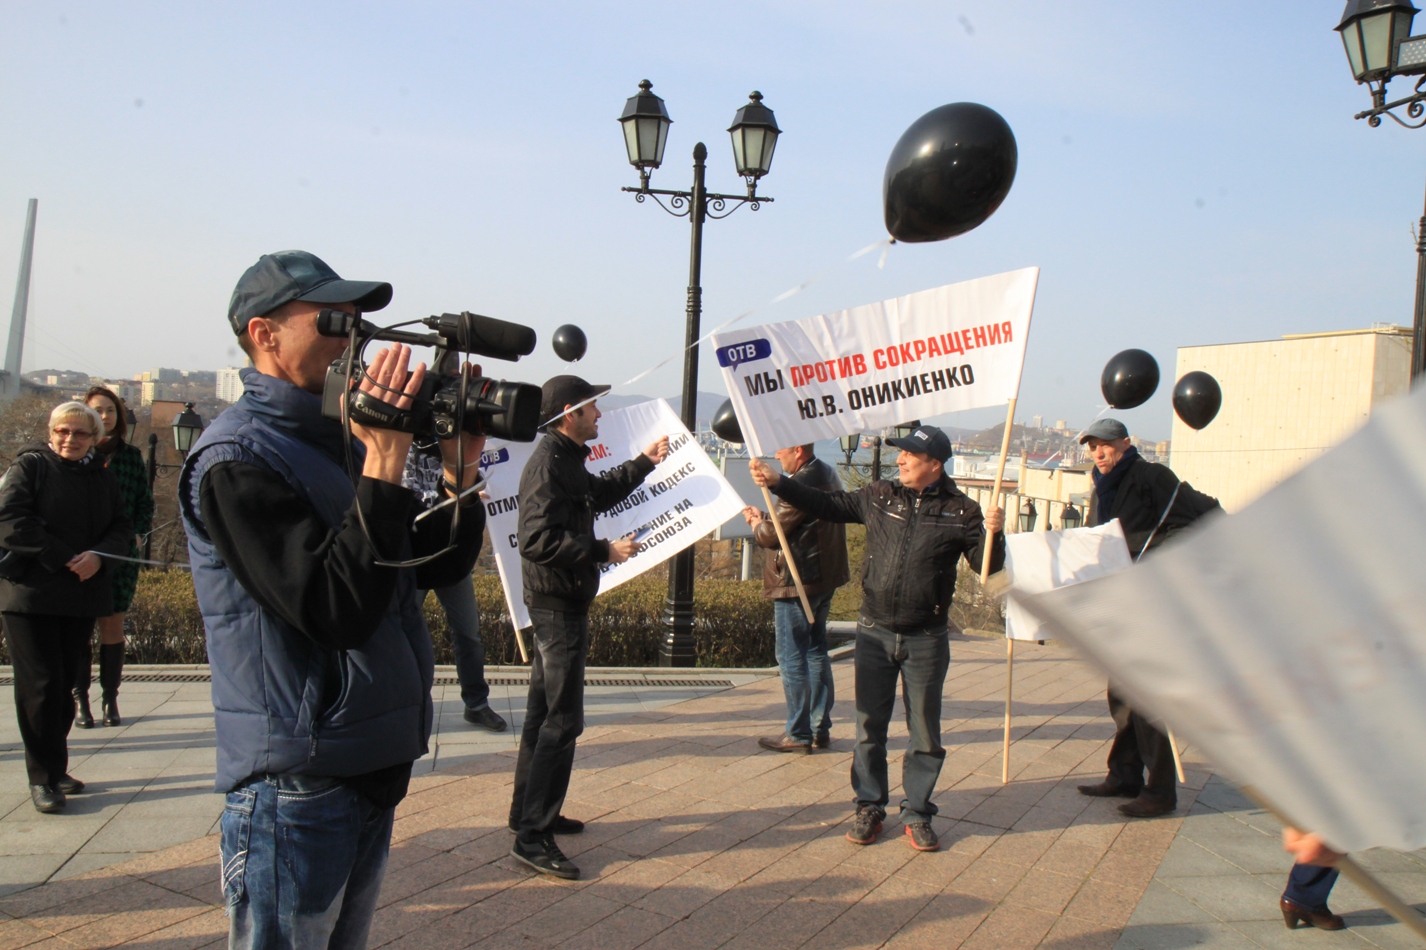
83 718
111 670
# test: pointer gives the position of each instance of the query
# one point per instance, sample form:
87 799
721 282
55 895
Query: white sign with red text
684 499
961 346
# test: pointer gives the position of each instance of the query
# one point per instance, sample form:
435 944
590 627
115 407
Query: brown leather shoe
1324 919
786 744
1106 790
1147 807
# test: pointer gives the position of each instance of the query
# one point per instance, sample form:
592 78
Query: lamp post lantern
187 426
1070 517
1376 35
754 132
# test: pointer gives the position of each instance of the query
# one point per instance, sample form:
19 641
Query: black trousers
46 651
554 719
1139 744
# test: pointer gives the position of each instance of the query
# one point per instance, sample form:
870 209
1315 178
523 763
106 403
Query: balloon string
790 292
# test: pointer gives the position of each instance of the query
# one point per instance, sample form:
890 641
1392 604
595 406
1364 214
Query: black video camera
448 400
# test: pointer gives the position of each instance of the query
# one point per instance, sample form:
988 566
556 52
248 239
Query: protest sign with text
501 465
684 499
961 346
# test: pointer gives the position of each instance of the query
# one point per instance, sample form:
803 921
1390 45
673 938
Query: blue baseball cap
285 276
927 439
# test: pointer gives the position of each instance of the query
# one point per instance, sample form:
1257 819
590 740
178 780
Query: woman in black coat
59 510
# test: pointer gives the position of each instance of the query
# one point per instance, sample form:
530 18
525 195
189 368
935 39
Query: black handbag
13 564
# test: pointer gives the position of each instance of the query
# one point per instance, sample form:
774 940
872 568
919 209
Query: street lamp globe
1028 516
1371 31
645 122
187 426
754 131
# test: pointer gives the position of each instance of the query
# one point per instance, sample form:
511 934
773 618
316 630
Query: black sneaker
47 799
546 857
563 826
866 825
822 741
920 836
486 718
69 785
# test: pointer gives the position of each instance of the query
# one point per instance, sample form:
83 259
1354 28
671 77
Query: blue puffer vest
268 679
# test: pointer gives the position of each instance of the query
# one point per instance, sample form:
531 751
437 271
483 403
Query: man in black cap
1152 505
560 558
321 661
916 533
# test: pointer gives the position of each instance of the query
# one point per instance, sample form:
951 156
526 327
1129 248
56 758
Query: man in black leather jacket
916 533
560 558
819 550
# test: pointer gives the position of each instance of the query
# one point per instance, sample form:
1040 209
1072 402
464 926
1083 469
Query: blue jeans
1309 885
463 619
802 660
554 720
303 857
920 660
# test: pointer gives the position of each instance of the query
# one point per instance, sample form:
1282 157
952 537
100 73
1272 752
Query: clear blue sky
1189 173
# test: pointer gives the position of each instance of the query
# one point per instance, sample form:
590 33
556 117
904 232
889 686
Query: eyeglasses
62 433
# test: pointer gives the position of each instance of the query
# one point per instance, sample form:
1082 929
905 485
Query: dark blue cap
927 439
285 276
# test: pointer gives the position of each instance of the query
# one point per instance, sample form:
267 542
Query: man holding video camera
560 559
321 661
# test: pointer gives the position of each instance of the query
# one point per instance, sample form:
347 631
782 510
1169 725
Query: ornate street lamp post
187 426
754 133
1377 37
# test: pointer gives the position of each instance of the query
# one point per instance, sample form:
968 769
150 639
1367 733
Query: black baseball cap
285 276
561 391
927 439
1110 430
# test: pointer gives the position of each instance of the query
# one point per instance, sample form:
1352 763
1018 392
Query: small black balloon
1129 379
570 343
725 423
948 173
1197 397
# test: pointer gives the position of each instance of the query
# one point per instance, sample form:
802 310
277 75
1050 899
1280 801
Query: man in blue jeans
819 549
423 476
321 660
916 533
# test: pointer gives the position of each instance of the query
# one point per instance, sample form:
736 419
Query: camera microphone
485 335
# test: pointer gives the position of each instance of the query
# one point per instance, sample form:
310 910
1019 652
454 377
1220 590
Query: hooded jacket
77 508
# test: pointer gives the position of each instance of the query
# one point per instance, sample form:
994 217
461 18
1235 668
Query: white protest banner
684 499
961 346
1040 561
501 464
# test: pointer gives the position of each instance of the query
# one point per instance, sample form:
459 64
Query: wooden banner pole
995 493
1009 680
520 642
1177 759
787 553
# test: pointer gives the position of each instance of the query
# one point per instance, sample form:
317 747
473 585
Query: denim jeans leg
562 641
876 672
791 627
463 618
821 689
923 680
303 858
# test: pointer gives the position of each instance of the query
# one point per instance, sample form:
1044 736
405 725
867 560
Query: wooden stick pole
1177 759
1359 876
1009 681
995 492
787 553
520 642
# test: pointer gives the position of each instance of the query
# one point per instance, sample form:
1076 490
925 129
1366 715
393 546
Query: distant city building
1284 403
1037 422
229 386
1061 424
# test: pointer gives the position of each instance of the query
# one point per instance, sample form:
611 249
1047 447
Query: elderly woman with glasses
60 509
126 463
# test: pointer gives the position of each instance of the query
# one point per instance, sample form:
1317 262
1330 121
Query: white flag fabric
961 346
1288 641
501 464
684 499
1041 561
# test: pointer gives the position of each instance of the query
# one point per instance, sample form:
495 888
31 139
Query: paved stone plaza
697 838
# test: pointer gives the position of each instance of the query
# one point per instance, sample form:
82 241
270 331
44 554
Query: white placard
1040 561
961 346
684 499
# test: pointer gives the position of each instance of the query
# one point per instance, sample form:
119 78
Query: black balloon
1129 379
1197 398
948 172
570 343
725 423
